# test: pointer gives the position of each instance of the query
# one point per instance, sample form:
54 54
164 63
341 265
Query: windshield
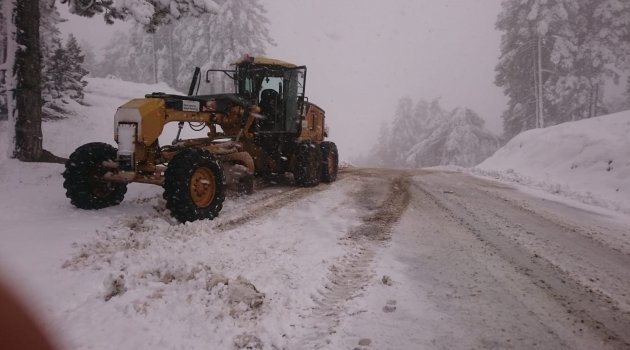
288 83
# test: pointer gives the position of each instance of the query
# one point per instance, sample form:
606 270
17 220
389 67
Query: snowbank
587 160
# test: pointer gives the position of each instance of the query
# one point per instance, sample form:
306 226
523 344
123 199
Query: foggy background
362 57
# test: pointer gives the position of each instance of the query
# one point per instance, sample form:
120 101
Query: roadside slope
586 160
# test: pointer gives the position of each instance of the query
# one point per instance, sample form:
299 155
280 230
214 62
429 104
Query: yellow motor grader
266 126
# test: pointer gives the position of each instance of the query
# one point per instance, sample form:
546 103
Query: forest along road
450 261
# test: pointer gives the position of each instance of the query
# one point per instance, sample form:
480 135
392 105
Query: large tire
194 186
83 178
330 161
307 159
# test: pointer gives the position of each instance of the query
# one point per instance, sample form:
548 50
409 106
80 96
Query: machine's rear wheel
306 172
330 161
83 178
193 186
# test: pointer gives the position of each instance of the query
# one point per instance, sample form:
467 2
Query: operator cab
277 87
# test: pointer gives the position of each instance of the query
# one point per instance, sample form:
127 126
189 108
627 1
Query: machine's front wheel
83 177
330 161
193 186
307 159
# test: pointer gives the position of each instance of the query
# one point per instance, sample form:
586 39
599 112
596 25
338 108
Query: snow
130 277
133 272
586 160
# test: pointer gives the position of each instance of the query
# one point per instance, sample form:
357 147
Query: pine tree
594 55
89 61
62 67
169 55
52 63
556 56
531 30
428 135
73 79
24 64
193 38
143 54
403 131
208 41
239 28
382 154
115 61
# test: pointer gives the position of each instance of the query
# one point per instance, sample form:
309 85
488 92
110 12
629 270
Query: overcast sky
363 56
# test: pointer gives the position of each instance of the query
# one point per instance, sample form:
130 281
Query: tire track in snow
267 204
351 273
159 221
585 306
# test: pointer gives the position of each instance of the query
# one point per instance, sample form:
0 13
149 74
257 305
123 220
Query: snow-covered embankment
587 160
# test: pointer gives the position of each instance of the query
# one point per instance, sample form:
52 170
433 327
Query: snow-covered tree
23 62
458 139
150 13
556 56
144 55
73 83
53 64
241 27
531 30
61 67
115 60
197 44
213 41
381 153
89 62
596 52
169 55
428 135
403 131
172 51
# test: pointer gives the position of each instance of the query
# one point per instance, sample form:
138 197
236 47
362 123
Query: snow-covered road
380 259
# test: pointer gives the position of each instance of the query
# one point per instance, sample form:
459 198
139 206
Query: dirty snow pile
586 160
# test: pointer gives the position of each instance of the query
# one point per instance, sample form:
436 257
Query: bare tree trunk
171 50
594 100
155 59
541 116
536 94
27 68
28 124
8 9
